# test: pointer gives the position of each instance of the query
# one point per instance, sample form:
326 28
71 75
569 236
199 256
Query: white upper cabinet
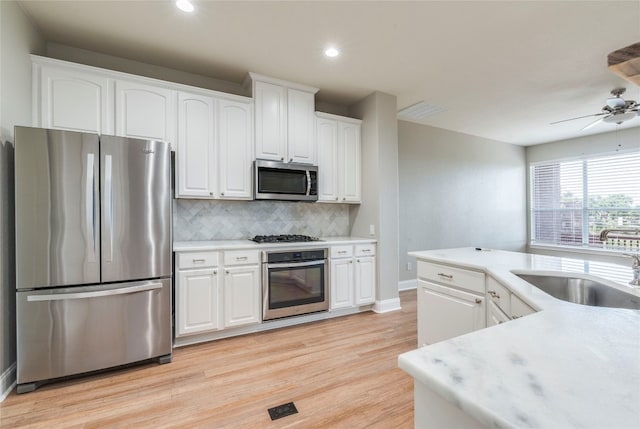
235 134
339 158
351 162
145 111
284 120
300 119
69 98
196 145
215 146
271 121
327 141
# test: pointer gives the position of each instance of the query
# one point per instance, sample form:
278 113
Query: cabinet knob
344 199
290 159
210 193
282 159
357 260
336 198
226 272
221 193
215 272
478 301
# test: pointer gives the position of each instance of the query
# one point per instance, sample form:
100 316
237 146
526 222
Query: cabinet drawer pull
366 250
342 251
494 294
198 261
446 276
515 317
241 258
478 301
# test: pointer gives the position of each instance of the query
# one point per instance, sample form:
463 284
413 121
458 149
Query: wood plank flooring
341 373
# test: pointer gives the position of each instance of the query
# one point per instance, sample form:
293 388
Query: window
573 201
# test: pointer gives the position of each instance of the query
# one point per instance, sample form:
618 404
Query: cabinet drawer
197 259
365 249
241 257
499 294
341 252
451 276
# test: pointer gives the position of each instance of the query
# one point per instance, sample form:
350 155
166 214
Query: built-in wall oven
294 282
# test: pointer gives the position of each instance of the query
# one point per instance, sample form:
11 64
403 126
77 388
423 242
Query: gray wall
379 188
597 144
458 190
18 39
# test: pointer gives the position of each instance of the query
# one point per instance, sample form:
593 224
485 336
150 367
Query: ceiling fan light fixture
615 102
619 118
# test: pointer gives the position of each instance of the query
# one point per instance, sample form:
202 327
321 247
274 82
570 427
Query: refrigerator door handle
94 294
108 210
90 212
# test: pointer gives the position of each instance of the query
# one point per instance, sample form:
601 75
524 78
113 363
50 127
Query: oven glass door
296 285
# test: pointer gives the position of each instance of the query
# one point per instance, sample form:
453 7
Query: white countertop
567 366
189 246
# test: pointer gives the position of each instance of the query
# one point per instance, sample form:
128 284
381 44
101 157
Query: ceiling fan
617 110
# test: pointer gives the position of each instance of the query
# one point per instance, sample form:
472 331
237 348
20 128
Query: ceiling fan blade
593 123
580 117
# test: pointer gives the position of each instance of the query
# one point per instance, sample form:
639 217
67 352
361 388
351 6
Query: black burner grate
283 238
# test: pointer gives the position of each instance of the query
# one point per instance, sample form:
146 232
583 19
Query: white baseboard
408 284
387 305
7 381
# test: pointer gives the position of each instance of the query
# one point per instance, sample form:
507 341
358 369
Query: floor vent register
283 410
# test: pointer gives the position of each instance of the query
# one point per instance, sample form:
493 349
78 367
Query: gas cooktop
283 238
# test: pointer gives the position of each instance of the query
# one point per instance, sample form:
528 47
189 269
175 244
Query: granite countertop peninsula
189 246
566 366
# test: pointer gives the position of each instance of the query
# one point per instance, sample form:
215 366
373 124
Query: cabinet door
197 302
445 313
495 315
350 162
341 283
145 111
196 146
271 121
327 141
241 296
365 280
300 125
235 144
76 101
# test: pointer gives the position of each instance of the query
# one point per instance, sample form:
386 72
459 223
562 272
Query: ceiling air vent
420 111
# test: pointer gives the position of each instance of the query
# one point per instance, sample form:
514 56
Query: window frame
584 247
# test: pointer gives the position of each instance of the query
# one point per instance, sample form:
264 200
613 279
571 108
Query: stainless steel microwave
285 181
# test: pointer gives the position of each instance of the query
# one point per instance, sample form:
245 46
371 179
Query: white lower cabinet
241 295
503 305
198 301
353 275
451 302
445 312
341 283
216 290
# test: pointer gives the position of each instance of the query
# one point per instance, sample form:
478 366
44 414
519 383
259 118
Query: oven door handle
296 264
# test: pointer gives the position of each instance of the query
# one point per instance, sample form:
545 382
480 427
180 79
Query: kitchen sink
582 291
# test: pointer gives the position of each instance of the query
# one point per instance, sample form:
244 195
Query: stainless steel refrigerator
93 252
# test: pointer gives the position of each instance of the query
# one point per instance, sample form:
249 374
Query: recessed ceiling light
331 52
185 5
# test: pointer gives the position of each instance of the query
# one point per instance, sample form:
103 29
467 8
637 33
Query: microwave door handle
308 182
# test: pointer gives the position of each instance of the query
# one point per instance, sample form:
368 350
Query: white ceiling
503 70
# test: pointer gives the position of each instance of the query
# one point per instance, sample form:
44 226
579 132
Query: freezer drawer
69 331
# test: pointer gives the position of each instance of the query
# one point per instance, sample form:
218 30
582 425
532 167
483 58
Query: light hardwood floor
340 373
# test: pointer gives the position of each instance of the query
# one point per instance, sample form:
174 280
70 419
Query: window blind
573 201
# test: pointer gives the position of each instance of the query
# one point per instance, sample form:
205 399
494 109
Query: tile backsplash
233 220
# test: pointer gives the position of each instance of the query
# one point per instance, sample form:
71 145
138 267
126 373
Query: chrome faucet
635 265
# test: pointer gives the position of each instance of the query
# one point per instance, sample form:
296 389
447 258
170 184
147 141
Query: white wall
597 144
458 190
379 190
18 39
